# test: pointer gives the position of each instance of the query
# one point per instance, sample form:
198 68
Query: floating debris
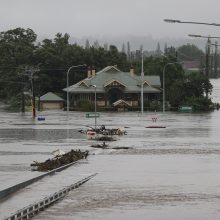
155 126
105 138
103 145
121 148
58 152
103 134
60 160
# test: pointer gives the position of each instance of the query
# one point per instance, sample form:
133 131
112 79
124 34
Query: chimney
132 71
89 72
93 71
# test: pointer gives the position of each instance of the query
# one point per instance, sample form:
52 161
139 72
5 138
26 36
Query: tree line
23 60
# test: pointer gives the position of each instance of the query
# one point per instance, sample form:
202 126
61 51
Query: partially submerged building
51 101
115 88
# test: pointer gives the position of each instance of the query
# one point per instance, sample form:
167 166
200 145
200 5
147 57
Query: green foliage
176 93
178 85
54 57
85 105
155 105
17 49
189 52
15 102
200 103
197 84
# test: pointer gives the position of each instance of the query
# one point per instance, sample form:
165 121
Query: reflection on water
143 183
27 134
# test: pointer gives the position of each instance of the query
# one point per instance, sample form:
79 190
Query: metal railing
31 210
9 191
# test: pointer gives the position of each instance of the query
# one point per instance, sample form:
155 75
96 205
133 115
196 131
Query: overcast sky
98 18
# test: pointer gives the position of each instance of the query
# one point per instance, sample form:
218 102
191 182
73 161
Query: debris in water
60 160
103 145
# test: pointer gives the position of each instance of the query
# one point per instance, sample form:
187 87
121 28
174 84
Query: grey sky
98 18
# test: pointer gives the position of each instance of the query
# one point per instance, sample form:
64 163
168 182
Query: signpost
92 115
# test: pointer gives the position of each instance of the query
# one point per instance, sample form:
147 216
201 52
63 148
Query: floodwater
168 173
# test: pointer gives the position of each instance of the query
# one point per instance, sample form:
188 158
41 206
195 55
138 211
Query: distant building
115 88
51 101
192 66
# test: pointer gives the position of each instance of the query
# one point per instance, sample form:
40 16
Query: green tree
55 57
180 87
197 85
189 52
17 48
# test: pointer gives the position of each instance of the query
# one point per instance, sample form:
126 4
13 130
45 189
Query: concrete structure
113 85
51 101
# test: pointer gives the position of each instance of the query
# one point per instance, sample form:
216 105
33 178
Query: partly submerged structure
51 101
114 88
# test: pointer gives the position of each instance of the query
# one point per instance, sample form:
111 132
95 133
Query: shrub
200 103
85 105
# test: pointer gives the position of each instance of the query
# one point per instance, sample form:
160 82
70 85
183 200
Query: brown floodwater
168 173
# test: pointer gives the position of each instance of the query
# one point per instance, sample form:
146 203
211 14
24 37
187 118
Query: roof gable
110 69
50 97
121 102
146 83
114 82
83 84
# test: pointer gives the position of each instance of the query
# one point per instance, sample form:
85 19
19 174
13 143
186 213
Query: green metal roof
110 73
50 97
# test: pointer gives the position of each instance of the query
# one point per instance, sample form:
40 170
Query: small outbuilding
51 101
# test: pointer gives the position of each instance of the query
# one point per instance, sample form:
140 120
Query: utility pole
207 65
207 56
211 63
215 61
31 71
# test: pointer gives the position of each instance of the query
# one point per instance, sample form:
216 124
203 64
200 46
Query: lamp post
67 87
173 63
142 86
202 36
95 107
189 22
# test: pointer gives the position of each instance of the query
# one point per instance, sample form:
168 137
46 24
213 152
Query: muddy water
168 173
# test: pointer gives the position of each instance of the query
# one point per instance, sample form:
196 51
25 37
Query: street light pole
142 86
95 107
164 83
67 87
189 22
